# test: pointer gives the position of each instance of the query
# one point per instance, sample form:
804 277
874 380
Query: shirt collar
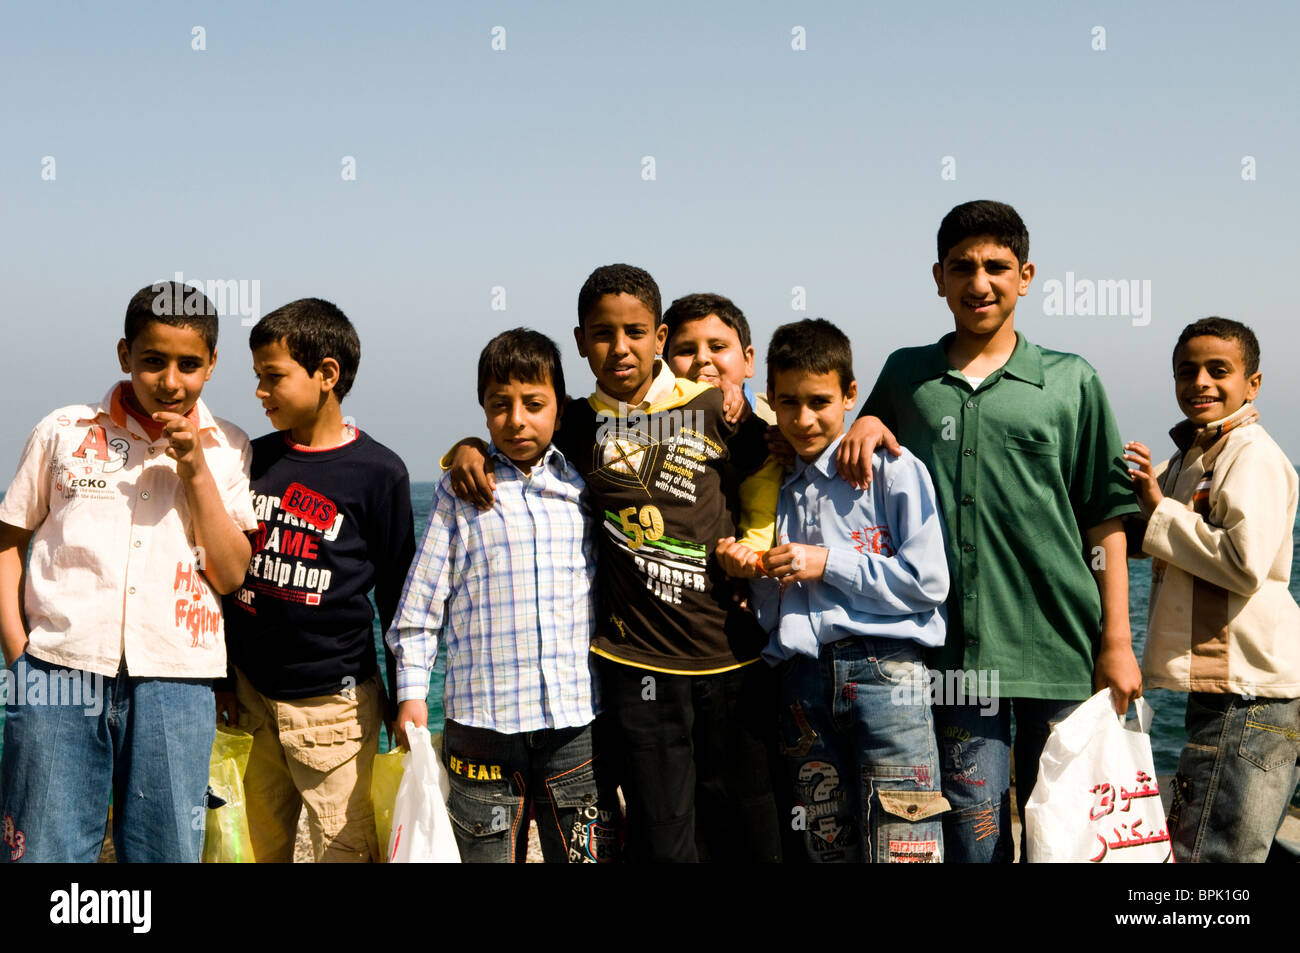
114 408
824 464
553 459
661 388
1025 362
1186 433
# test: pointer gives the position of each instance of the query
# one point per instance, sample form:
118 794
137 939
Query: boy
335 512
509 592
672 640
1223 625
1025 458
863 580
709 341
137 508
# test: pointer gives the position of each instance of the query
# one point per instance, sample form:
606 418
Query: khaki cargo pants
316 752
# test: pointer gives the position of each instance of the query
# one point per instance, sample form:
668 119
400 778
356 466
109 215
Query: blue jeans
496 778
1235 777
976 744
144 741
859 740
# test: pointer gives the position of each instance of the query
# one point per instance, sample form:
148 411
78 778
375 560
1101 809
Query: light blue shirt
886 574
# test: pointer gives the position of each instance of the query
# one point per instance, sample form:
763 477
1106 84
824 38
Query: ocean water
1167 732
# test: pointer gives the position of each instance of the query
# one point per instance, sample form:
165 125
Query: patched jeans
72 739
1236 777
496 778
858 737
975 740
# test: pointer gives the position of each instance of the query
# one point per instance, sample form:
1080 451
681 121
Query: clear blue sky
522 168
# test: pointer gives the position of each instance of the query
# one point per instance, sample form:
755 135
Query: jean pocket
899 671
1267 740
484 818
908 829
590 833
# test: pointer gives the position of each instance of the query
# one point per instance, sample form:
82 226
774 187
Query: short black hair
521 354
696 306
175 305
813 345
313 329
998 220
1227 329
616 280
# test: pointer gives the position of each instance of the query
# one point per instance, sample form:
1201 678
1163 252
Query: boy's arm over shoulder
1252 493
899 568
874 427
421 612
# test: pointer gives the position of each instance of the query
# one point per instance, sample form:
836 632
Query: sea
1167 732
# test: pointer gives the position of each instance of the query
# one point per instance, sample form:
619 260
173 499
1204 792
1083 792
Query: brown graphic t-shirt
657 489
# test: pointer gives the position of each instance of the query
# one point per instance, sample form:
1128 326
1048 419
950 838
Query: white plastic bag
1097 799
422 831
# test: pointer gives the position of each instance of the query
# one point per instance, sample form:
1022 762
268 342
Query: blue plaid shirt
509 591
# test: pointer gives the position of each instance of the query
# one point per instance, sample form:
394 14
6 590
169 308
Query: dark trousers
693 763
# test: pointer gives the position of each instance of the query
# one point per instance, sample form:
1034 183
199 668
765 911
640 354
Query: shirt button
970 595
972 640
968 548
144 494
968 452
967 500
153 449
970 403
131 591
137 544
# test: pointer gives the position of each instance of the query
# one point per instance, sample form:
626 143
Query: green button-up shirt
1023 466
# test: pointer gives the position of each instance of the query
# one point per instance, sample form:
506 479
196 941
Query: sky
446 171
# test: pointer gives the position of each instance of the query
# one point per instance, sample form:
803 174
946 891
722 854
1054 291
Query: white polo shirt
113 571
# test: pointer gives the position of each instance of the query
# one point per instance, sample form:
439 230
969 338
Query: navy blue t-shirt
333 524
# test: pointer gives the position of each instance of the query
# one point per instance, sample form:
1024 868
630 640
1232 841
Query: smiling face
521 417
708 350
619 339
982 282
291 397
810 409
168 367
1210 379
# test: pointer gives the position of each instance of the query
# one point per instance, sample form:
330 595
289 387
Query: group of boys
646 592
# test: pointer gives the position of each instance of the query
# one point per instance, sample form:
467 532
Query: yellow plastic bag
226 840
384 781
